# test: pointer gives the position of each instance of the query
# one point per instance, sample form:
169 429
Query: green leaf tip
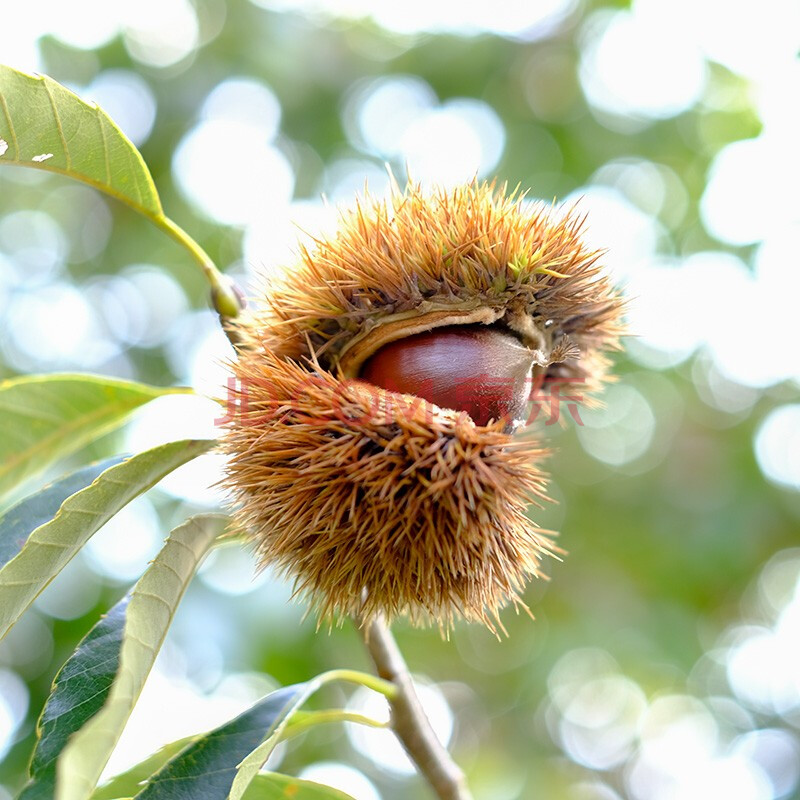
45 126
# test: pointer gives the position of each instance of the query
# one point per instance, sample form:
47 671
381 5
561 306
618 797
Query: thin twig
409 721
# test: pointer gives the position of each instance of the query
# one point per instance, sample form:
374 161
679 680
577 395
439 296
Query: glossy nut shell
484 371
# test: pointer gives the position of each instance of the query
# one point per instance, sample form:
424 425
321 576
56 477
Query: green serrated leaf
274 786
146 620
79 691
207 768
46 417
252 764
128 783
222 764
131 781
46 126
17 524
51 546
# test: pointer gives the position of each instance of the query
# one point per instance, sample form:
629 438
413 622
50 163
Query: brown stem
409 720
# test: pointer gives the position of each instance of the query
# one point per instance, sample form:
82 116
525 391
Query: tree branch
409 720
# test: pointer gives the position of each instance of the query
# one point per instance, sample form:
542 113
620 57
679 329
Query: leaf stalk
225 297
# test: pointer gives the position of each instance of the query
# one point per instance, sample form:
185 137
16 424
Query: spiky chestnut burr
388 499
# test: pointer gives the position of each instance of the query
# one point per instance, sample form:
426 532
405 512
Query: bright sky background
741 315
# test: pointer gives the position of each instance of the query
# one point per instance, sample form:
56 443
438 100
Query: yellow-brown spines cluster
349 487
379 502
468 247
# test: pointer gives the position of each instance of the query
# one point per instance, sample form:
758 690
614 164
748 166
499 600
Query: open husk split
378 501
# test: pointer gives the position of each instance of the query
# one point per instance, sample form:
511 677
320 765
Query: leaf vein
154 596
59 125
172 569
11 130
138 639
106 155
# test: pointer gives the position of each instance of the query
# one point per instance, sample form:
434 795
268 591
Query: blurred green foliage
661 549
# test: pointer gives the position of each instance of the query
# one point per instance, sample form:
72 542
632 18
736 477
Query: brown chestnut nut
482 370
